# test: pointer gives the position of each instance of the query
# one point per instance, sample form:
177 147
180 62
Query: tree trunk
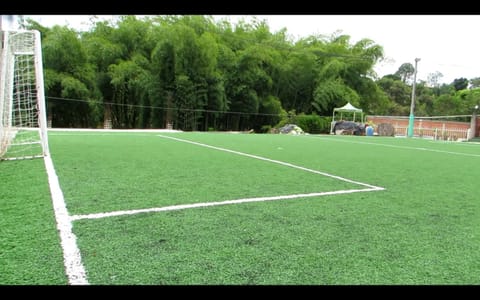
107 117
168 112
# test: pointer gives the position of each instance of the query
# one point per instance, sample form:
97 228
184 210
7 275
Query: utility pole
473 124
411 119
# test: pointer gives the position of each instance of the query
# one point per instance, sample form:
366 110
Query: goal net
23 130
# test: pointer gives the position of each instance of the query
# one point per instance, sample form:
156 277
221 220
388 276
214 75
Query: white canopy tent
352 111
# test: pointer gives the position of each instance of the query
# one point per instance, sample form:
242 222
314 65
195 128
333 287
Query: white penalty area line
273 161
369 188
111 130
400 147
72 260
207 204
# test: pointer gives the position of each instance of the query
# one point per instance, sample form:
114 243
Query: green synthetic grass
423 228
104 173
30 250
19 148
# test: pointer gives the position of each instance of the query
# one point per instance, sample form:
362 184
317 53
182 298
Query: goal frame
7 70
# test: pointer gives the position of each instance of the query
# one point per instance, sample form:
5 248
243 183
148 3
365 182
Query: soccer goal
23 128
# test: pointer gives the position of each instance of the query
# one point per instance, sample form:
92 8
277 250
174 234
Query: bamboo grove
196 72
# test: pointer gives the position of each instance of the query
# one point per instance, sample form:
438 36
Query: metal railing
443 133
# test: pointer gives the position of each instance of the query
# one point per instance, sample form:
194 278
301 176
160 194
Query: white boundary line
399 147
236 201
110 130
71 254
206 204
273 161
74 268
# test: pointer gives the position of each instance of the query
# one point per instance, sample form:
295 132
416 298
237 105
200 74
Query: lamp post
412 104
473 123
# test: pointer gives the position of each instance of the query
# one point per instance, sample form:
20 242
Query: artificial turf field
189 208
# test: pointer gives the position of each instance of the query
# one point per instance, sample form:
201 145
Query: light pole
411 119
473 123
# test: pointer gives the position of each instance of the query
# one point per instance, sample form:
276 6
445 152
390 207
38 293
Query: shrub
314 124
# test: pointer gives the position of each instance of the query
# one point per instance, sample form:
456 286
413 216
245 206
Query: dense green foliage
198 73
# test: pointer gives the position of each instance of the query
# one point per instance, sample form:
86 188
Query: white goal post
23 122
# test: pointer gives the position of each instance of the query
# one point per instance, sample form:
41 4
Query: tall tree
405 71
433 79
102 52
398 92
69 79
345 73
460 83
475 82
447 104
295 81
163 66
128 81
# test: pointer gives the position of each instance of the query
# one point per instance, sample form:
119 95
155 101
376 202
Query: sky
448 44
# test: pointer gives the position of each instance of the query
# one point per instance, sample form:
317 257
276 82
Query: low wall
477 130
426 126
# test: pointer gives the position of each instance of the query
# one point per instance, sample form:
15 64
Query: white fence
443 133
